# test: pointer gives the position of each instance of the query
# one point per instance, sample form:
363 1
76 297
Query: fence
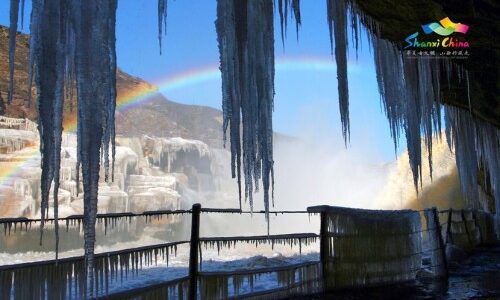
357 248
21 124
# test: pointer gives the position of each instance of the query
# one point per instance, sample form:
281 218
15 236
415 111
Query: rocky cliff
157 116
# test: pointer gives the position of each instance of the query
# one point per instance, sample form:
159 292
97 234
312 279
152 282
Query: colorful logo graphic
445 28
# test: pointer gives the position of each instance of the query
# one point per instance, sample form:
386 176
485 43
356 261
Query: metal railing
189 286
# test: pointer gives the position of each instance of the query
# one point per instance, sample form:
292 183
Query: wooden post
324 247
442 246
448 227
193 251
466 229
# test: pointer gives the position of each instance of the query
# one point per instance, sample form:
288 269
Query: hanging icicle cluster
47 62
477 149
337 25
410 93
67 279
283 8
73 40
95 62
246 45
297 239
409 90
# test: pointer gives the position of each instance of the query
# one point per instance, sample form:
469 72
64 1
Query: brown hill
157 116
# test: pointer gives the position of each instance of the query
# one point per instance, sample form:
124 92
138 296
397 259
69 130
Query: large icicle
296 15
409 91
283 7
94 62
162 19
337 25
69 37
49 61
476 144
246 46
14 14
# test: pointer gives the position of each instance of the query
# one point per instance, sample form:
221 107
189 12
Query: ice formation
410 93
432 245
486 224
79 37
14 14
283 8
477 147
282 239
164 151
75 40
337 25
461 229
368 247
409 89
292 280
162 19
67 279
246 46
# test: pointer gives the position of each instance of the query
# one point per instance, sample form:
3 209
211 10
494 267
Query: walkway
477 277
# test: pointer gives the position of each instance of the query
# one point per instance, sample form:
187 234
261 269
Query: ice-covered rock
149 173
12 140
175 154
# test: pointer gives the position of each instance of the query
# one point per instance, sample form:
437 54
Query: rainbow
199 75
11 170
144 93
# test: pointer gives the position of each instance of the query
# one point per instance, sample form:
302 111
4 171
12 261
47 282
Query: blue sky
306 100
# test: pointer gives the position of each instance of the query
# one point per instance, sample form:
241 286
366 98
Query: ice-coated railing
357 248
21 124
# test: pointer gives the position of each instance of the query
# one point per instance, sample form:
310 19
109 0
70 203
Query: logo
445 35
446 27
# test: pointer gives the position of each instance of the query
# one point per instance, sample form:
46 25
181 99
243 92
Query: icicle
22 14
296 14
246 46
162 19
94 62
48 59
14 14
337 25
475 143
283 7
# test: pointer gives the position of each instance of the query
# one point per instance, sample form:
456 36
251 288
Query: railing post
323 247
467 229
442 246
448 227
193 251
